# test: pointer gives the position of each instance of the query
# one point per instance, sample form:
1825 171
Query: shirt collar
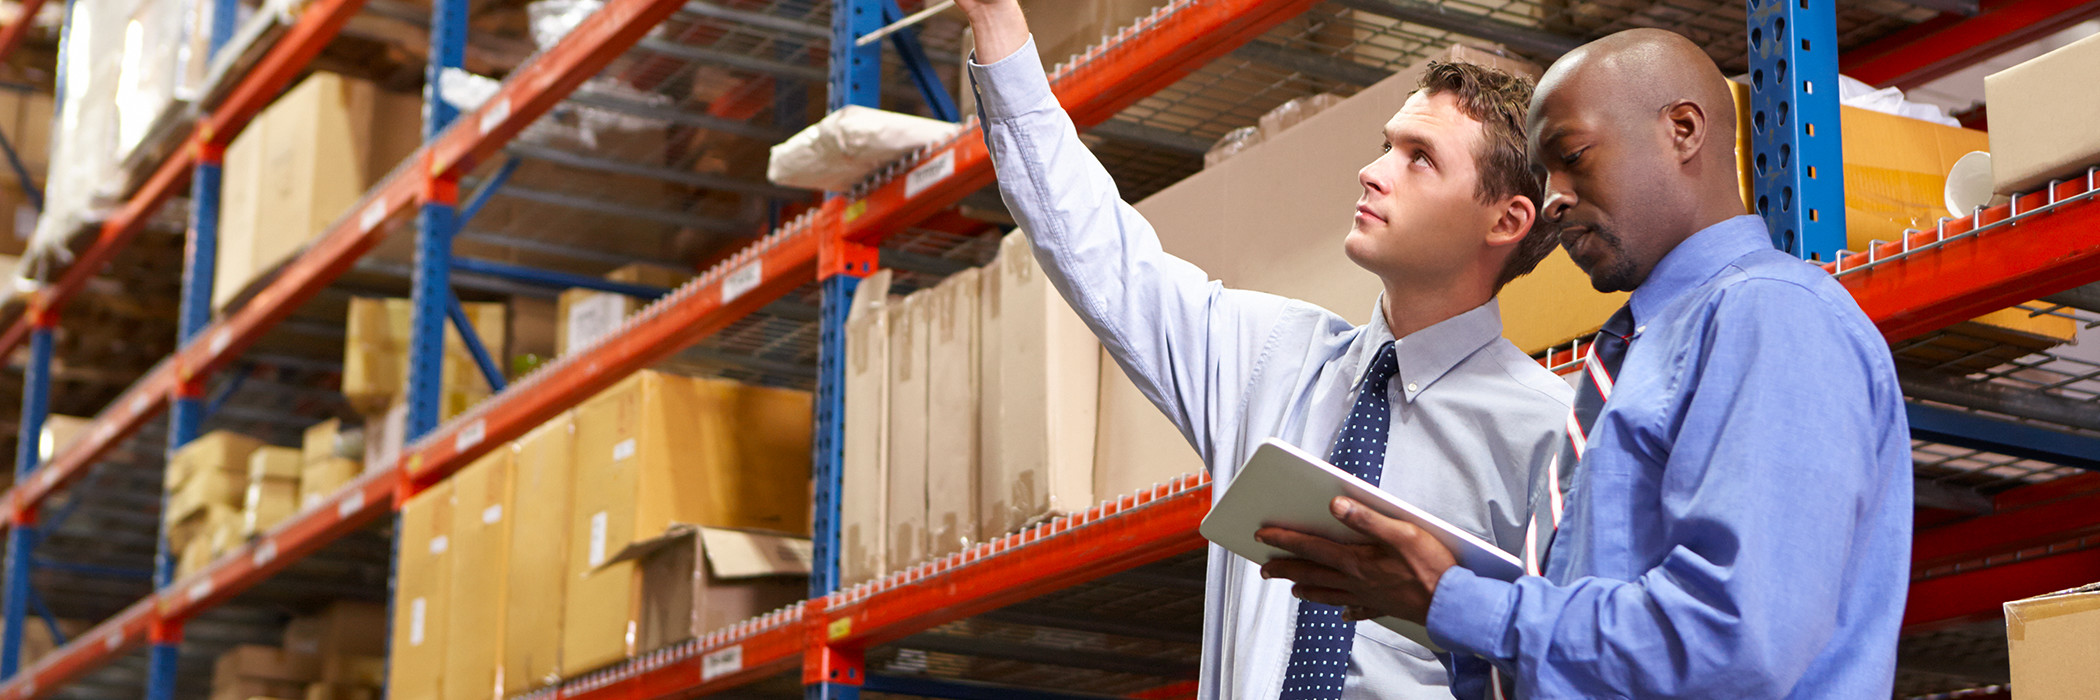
1695 261
1427 355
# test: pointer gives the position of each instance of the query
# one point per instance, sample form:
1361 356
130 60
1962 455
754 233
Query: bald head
1636 132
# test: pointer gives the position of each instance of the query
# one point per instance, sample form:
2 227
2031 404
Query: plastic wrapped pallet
1039 459
863 474
84 152
850 144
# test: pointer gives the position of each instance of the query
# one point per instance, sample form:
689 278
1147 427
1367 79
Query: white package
848 145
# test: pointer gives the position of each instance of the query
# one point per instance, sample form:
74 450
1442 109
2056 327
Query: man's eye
1572 156
1387 147
1421 159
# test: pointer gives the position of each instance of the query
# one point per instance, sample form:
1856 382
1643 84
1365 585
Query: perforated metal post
22 536
856 71
1797 158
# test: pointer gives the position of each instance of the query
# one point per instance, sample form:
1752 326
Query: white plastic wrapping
850 144
1231 144
1888 100
84 140
568 123
552 19
155 36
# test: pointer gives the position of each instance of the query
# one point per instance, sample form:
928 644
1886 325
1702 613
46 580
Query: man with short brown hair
1428 400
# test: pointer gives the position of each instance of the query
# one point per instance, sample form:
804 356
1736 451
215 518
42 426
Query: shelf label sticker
597 553
372 216
49 477
139 403
722 663
471 436
745 279
106 433
114 641
265 553
932 173
351 504
220 340
439 544
840 628
416 610
200 590
623 450
498 111
492 514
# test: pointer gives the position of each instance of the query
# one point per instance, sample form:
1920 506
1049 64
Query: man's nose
1371 180
1558 202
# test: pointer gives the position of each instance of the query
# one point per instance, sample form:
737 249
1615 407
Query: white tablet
1283 486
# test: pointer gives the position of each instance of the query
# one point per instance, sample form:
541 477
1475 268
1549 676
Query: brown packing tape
2020 613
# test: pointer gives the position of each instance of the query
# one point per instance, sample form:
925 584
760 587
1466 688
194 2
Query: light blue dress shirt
1740 525
1472 416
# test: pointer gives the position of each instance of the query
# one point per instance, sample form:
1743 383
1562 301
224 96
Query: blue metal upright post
22 536
830 439
856 71
431 286
1797 157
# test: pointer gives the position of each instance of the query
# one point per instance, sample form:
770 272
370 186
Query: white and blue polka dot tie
1320 649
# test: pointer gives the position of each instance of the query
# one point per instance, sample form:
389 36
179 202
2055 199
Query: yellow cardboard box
2052 641
422 588
482 514
375 355
539 572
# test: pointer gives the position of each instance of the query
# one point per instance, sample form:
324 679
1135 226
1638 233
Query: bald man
1731 515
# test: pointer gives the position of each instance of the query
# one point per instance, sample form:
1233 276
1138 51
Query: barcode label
722 663
930 174
374 213
471 436
743 280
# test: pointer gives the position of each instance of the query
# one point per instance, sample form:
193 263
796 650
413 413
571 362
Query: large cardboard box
908 425
249 671
340 691
1040 462
539 572
2042 124
2052 641
696 580
482 515
864 475
951 401
990 411
535 334
344 629
208 488
585 315
319 481
1137 446
376 348
659 449
422 588
330 440
301 165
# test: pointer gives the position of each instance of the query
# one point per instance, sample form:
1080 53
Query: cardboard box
1137 446
301 165
208 488
346 628
273 489
538 574
319 481
908 425
196 554
1042 462
2052 641
355 670
375 355
864 475
951 400
585 315
254 689
329 440
340 691
481 526
422 583
218 450
2041 122
535 334
384 435
696 580
256 662
990 378
661 449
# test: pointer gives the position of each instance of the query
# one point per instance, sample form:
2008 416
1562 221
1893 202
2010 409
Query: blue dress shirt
1740 525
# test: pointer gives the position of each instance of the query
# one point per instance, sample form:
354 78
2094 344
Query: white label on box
416 609
594 317
265 553
931 173
471 436
492 514
351 504
623 450
373 214
743 280
498 111
220 340
439 544
722 663
597 553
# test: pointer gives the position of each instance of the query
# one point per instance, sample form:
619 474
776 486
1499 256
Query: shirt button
1410 387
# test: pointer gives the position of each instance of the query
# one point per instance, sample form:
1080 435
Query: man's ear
1515 219
1688 129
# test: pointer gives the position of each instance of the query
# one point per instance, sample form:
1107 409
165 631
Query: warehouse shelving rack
2045 241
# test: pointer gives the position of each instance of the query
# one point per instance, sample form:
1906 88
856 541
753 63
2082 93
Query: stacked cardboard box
330 456
658 450
538 575
864 478
2051 642
482 513
341 651
254 671
586 315
300 166
693 580
375 355
272 494
206 482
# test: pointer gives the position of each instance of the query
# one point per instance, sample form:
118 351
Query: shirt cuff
1011 86
1470 614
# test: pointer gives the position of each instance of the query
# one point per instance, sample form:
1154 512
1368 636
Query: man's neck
1408 309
